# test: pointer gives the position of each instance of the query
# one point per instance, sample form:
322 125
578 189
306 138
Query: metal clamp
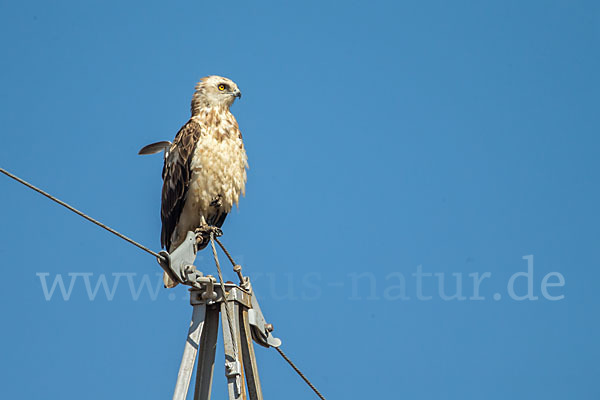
179 264
233 369
261 331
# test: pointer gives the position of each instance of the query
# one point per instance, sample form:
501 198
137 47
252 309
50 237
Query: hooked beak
238 93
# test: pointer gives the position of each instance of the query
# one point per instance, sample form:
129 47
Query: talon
202 229
199 239
203 234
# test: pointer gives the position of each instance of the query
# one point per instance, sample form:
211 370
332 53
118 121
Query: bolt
238 270
269 327
190 268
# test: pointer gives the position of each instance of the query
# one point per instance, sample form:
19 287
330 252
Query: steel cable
140 246
81 214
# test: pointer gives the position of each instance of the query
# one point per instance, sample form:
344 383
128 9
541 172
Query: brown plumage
176 174
204 172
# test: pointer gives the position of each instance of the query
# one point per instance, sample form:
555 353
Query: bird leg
203 235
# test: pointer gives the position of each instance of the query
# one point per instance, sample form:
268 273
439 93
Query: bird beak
238 94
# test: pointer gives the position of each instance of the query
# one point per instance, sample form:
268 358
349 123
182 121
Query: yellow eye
221 87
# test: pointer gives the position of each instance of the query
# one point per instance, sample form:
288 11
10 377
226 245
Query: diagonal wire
147 250
299 373
76 211
227 310
285 357
225 251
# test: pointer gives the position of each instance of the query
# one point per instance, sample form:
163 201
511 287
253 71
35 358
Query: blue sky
384 138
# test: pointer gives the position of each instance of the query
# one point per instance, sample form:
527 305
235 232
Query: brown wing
176 178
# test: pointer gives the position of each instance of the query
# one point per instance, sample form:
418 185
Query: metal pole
206 354
249 358
233 365
189 352
242 322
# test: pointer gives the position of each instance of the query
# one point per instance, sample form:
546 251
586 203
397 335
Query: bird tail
155 148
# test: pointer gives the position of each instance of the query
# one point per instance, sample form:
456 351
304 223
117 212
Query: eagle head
214 91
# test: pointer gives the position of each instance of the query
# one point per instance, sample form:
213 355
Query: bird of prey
204 169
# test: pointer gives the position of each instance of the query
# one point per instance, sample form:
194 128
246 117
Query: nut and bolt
190 268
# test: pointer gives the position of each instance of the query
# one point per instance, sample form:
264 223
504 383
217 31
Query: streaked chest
219 162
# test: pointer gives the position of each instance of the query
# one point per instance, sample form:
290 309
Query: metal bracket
261 331
234 369
179 264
